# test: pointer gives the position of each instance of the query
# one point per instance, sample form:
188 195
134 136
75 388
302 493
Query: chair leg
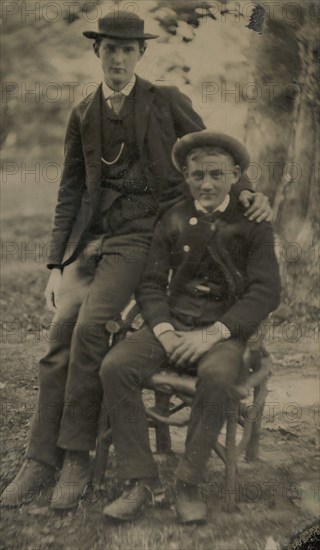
163 438
104 441
252 450
231 457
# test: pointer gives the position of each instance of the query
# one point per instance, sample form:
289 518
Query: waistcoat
126 197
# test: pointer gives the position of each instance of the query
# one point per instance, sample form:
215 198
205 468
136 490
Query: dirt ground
277 496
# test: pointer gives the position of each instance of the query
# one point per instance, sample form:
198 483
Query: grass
260 524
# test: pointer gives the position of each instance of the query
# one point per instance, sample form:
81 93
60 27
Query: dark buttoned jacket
222 269
162 114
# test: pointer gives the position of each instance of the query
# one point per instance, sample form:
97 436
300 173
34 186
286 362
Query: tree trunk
287 139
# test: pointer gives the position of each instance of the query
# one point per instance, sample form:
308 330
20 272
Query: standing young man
117 178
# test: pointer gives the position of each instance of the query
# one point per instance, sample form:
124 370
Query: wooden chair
169 385
175 391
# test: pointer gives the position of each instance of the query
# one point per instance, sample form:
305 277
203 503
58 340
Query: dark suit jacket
242 251
162 114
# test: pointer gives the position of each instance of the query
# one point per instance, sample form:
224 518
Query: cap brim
206 138
94 35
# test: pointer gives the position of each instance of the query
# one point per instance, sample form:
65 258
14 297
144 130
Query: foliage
257 86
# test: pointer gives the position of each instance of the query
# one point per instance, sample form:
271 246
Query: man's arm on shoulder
185 118
256 204
244 184
71 188
262 294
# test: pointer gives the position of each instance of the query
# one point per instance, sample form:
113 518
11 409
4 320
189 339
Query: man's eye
128 50
198 175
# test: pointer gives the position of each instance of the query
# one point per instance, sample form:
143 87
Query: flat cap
207 138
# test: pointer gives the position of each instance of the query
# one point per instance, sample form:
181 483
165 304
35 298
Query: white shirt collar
108 92
221 208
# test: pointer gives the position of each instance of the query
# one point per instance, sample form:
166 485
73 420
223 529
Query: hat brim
206 138
94 35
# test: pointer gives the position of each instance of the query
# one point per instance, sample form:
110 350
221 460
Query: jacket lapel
92 141
144 98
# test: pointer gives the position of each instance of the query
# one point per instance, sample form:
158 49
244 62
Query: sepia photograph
160 290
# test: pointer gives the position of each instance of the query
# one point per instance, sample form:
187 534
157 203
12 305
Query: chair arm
259 376
155 415
170 381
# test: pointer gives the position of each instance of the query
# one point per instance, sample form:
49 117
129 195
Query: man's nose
118 56
207 182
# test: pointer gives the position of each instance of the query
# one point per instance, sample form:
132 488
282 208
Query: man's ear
185 172
96 49
142 51
237 173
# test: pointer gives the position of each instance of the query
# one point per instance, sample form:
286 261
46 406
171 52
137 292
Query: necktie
117 101
210 217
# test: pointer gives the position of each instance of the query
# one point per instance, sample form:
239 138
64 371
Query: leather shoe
73 480
31 478
131 502
189 505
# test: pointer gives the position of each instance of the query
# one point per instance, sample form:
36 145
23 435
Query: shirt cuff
161 328
54 266
221 329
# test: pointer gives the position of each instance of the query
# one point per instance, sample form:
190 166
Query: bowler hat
206 138
121 24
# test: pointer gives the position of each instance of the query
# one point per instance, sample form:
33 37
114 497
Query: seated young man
210 280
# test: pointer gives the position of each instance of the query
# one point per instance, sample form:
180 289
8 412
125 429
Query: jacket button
213 227
186 248
193 221
112 326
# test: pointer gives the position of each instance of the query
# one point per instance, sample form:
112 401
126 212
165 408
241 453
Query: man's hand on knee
52 290
169 341
257 204
191 346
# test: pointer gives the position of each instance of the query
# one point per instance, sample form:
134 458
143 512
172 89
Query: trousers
93 292
125 372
